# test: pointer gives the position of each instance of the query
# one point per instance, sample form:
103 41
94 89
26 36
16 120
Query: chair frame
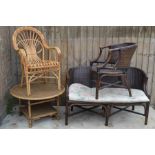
118 61
30 35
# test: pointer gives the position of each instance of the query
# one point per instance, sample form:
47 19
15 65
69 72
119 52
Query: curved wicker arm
105 62
57 50
138 79
22 55
96 60
145 80
145 84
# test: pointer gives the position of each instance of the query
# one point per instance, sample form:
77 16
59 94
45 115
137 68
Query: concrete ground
86 120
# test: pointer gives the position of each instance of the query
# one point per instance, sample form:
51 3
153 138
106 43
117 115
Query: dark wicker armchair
83 75
115 65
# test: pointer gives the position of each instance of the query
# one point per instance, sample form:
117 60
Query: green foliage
10 103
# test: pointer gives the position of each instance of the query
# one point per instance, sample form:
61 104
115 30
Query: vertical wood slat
96 40
83 44
134 38
51 38
109 40
70 47
146 49
64 42
140 48
89 43
102 40
77 44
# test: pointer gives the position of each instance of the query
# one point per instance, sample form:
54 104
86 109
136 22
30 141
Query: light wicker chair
31 46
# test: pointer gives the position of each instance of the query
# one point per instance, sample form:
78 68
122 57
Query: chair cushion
79 92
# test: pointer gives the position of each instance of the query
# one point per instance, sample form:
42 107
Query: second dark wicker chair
115 65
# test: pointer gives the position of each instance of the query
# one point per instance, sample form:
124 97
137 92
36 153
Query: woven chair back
121 54
31 40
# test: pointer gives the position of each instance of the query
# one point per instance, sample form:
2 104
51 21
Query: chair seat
79 92
107 70
110 71
43 64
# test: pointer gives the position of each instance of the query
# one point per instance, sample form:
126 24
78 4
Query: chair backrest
80 75
31 40
121 54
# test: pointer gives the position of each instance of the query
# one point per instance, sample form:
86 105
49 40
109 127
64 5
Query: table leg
58 107
29 114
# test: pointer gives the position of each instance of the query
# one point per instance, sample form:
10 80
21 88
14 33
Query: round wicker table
38 102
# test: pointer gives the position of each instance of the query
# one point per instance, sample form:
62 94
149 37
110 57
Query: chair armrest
138 79
96 60
145 84
22 55
145 80
57 50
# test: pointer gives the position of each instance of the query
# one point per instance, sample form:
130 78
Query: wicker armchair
31 46
115 65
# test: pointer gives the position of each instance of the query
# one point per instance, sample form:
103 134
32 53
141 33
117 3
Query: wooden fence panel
79 45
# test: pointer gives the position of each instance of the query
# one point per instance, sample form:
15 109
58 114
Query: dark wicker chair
83 75
115 65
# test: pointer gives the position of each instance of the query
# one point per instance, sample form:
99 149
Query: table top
39 91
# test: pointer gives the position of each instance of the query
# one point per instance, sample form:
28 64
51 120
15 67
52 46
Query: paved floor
86 120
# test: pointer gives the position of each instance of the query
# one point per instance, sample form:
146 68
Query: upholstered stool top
79 92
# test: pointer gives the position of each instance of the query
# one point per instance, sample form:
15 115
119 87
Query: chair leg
107 114
66 114
146 112
133 107
127 84
97 87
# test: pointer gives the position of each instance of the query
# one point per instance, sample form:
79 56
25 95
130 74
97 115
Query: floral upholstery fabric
79 92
